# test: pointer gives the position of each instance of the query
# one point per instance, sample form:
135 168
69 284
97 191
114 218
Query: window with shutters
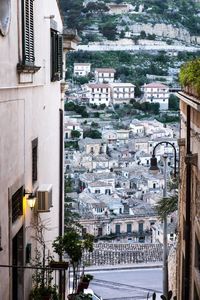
56 56
17 204
28 57
34 159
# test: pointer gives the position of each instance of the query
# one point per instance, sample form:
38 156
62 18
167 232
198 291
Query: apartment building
122 92
188 249
31 142
104 75
82 69
156 92
98 93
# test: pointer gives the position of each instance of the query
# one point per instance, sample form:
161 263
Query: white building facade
82 69
156 93
122 92
98 93
104 75
31 144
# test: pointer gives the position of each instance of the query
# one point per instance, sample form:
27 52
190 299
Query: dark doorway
100 231
17 260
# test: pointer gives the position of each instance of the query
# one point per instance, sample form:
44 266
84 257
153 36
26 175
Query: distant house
100 187
122 136
137 128
117 9
98 93
82 69
104 75
110 136
122 92
92 146
71 124
156 92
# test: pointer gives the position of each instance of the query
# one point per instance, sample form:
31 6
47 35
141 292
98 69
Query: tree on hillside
109 30
75 134
173 102
93 134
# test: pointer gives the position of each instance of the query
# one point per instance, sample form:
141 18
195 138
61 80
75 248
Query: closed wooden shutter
56 56
28 32
60 56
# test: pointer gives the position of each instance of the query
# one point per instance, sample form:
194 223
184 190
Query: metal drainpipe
186 282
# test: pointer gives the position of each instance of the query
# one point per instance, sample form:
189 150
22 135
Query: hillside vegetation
93 19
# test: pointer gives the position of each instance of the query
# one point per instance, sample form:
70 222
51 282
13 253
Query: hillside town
112 187
99 146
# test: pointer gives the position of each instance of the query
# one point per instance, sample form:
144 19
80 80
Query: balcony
190 78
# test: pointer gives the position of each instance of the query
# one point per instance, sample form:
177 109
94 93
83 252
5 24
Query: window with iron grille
17 204
28 57
56 56
34 159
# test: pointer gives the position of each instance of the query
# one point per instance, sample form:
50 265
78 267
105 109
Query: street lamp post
154 169
165 244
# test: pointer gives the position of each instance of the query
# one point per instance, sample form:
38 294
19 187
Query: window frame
56 55
34 160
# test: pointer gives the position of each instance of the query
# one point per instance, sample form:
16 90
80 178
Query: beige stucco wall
27 111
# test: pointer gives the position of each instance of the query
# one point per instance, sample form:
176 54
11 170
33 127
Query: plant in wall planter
43 288
80 296
44 293
58 264
73 244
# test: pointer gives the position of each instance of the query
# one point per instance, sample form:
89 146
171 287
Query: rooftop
105 70
99 183
87 141
121 84
82 64
98 85
155 85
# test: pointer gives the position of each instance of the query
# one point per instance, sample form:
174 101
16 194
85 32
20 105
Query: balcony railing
53 279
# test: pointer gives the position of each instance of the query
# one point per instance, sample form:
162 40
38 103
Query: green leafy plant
42 279
73 244
87 277
190 75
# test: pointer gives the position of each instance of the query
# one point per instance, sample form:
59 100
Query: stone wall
118 253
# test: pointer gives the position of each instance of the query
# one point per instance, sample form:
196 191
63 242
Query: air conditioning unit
44 198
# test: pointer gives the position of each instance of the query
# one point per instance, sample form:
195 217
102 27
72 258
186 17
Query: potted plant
84 282
42 288
44 293
80 296
73 244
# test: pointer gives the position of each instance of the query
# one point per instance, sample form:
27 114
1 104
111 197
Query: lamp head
154 165
31 201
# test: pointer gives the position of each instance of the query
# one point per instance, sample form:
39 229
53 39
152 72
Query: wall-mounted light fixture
31 199
49 17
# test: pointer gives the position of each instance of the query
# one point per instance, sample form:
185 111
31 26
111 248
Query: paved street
127 284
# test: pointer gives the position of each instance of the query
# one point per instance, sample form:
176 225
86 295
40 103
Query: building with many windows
156 92
31 142
82 69
104 75
122 92
98 93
